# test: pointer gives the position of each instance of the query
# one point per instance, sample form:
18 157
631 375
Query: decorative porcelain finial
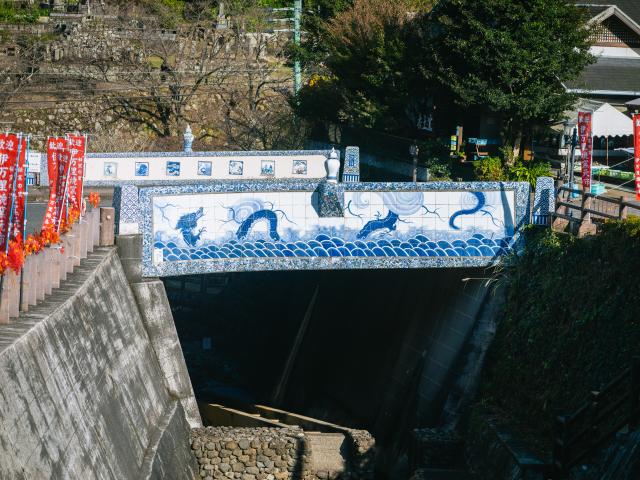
188 140
333 166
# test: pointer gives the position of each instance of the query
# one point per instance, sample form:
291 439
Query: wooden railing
607 412
581 211
43 272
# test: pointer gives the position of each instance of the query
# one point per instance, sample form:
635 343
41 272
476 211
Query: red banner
17 229
54 147
8 156
76 175
584 133
64 162
636 154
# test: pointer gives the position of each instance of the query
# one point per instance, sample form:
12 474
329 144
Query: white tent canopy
608 121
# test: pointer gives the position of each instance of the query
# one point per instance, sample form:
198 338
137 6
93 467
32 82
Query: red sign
17 229
8 155
584 134
76 145
64 162
54 148
636 154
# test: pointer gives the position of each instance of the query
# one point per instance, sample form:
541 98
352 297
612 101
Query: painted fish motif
389 222
187 225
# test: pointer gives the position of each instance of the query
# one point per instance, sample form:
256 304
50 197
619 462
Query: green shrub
529 171
438 170
490 169
571 323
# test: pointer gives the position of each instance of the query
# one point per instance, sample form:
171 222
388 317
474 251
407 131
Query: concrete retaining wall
82 392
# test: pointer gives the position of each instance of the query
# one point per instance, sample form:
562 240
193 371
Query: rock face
82 392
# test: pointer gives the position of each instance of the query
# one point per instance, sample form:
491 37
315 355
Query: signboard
636 154
586 145
34 161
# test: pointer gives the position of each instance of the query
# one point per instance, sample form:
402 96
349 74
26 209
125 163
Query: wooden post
586 226
107 225
624 210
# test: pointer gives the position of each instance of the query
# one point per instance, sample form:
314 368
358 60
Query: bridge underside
359 348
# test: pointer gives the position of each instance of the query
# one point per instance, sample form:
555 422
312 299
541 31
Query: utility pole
297 21
297 70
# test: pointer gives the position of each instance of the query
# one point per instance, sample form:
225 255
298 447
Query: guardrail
43 272
579 214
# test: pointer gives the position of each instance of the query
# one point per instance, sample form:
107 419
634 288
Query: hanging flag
64 162
8 153
636 154
584 134
76 145
50 217
17 228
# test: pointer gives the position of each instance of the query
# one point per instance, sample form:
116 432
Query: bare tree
152 84
256 109
25 55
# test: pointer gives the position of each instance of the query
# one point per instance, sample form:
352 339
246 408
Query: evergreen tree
509 57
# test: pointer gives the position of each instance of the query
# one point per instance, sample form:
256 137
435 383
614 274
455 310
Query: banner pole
13 193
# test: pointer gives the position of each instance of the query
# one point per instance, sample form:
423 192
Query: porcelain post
333 166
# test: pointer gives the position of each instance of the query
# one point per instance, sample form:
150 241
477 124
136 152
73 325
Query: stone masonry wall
275 454
250 453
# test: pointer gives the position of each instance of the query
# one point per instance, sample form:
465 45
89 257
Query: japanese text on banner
17 228
8 155
584 132
636 152
76 144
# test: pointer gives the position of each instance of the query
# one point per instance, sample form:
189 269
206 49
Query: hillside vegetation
571 324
